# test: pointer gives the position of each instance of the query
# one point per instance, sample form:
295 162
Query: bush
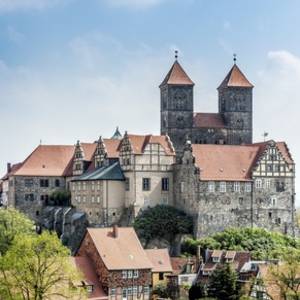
61 198
162 221
260 242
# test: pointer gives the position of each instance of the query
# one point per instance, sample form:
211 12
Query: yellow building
161 265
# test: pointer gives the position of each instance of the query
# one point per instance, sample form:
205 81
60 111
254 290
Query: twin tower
233 124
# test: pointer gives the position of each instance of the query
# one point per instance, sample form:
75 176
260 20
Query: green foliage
12 223
223 283
60 197
260 242
162 221
197 291
34 266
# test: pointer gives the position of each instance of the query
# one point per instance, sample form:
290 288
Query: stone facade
265 200
112 281
31 193
178 117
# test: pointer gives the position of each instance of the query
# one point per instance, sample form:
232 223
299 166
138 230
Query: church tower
236 106
177 106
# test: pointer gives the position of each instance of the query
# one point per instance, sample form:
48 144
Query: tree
197 291
60 197
38 267
261 243
286 276
223 283
162 221
12 223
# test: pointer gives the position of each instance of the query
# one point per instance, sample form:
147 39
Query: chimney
115 231
8 167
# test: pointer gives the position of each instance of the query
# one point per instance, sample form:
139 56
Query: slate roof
235 78
208 120
177 76
111 172
123 252
160 259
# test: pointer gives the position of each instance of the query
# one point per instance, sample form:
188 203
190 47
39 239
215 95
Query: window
146 290
161 276
182 187
124 274
223 187
29 197
124 293
276 168
237 187
79 186
269 168
83 199
280 187
28 182
78 199
258 183
98 185
241 200
127 184
278 221
248 187
135 273
112 291
129 291
84 186
267 183
44 183
273 200
98 199
73 186
89 288
134 290
146 184
211 187
93 185
165 184
93 199
130 274
270 215
57 183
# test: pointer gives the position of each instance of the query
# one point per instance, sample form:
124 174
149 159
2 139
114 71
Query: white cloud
277 96
12 5
134 3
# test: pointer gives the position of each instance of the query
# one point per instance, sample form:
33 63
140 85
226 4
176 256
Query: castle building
203 163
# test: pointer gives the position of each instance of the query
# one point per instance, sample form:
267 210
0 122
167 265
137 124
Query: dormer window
89 288
216 259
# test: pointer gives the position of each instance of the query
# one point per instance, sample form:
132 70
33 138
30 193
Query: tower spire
234 58
176 55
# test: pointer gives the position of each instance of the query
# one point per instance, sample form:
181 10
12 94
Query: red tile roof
86 267
160 259
177 76
235 78
47 160
122 252
139 142
225 162
208 120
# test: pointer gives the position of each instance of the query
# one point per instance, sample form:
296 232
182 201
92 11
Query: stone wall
29 196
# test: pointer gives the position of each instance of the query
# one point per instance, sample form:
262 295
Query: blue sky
75 69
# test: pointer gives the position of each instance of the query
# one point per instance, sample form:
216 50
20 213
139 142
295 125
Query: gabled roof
160 259
177 76
235 78
232 162
225 162
123 252
111 172
208 120
84 265
47 160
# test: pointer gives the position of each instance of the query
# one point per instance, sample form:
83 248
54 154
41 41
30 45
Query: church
205 164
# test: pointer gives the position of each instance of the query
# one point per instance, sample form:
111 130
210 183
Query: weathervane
234 58
176 54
